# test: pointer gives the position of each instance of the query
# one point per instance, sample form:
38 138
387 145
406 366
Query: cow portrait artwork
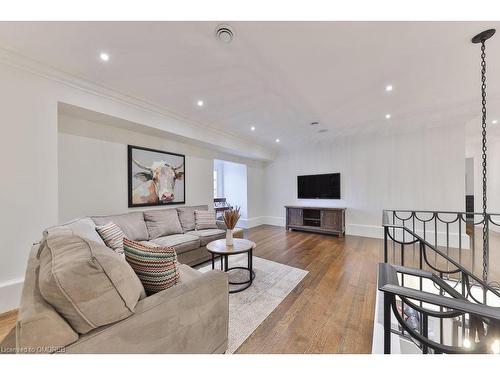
155 177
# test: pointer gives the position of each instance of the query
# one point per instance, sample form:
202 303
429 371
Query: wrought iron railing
442 285
457 234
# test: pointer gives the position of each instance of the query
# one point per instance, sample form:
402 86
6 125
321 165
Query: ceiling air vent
224 33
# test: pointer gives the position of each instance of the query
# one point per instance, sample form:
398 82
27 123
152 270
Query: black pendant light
481 38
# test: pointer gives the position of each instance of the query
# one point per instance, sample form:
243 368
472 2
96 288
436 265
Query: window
215 184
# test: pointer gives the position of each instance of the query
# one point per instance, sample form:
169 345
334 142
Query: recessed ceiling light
314 123
200 103
252 128
277 140
494 122
388 88
322 130
388 116
104 56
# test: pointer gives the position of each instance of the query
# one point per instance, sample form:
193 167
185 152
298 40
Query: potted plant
231 218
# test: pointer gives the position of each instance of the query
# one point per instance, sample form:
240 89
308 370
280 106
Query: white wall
417 170
28 194
256 195
219 168
29 151
469 175
93 170
474 150
93 167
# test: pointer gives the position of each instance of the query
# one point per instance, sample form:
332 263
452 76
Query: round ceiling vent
224 33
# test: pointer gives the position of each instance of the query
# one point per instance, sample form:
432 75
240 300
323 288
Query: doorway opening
230 187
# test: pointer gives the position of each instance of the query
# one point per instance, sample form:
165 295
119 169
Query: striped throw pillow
205 220
112 236
155 266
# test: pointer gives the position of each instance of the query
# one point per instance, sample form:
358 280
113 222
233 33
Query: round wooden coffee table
240 246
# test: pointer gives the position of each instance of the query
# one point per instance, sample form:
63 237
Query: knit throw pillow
112 236
155 266
205 220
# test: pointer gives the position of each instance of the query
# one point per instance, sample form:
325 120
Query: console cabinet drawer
295 216
332 220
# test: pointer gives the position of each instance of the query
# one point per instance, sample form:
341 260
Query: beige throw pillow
205 220
86 283
187 218
162 223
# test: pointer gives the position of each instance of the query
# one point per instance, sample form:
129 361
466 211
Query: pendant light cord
484 149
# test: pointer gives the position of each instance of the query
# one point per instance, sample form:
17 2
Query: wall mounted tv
319 186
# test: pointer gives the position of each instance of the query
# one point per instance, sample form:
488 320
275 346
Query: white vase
229 237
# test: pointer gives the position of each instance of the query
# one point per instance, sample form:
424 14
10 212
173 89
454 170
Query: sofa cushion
188 274
205 220
191 317
162 223
132 224
38 323
112 236
208 235
186 216
87 283
83 227
156 266
180 242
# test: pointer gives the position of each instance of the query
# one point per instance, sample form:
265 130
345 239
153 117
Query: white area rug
249 308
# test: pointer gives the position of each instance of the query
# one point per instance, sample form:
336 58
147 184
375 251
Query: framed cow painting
155 177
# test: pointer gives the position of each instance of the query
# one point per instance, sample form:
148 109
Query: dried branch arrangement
231 217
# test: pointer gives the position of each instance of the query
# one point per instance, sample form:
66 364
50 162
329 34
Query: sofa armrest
191 317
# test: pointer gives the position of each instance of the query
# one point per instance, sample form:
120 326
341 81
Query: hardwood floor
7 323
330 311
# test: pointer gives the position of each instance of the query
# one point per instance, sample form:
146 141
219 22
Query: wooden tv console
328 220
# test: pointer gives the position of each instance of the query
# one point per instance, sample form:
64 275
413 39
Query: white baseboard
10 294
274 220
251 222
372 231
494 228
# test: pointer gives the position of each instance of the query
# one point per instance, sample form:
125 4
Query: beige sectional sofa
189 243
80 298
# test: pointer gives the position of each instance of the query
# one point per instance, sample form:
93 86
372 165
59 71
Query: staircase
436 286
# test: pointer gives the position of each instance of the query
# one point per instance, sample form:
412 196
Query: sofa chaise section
191 317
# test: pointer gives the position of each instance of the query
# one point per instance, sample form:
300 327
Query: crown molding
32 66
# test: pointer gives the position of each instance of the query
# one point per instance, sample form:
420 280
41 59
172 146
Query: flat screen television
319 186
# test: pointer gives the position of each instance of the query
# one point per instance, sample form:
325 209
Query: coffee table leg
213 261
250 263
221 263
225 263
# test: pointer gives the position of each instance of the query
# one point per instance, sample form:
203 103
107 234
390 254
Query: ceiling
279 76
